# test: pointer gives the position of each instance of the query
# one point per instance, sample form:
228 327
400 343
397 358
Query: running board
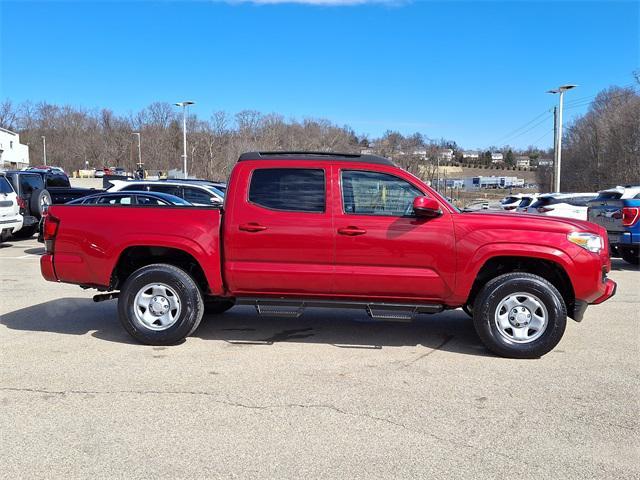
281 307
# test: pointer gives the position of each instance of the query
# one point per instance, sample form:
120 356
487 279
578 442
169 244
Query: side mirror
426 207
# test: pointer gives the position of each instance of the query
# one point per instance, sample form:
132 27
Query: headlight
588 241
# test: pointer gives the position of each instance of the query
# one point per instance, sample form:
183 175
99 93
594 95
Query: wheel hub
520 316
159 305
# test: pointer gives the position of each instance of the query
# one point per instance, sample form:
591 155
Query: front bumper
609 291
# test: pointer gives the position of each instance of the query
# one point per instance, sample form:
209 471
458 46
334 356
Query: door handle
252 227
351 231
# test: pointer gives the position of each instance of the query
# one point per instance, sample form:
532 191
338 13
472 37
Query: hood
537 222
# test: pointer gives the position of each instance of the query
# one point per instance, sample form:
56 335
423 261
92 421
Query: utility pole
137 134
558 140
44 150
555 147
184 106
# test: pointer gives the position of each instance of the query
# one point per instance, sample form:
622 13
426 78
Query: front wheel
160 305
520 315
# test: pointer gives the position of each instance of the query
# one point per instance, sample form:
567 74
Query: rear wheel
520 315
160 305
631 255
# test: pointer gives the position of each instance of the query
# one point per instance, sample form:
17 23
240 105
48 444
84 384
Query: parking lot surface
328 395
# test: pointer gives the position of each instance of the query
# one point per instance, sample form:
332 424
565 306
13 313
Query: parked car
33 198
194 193
511 202
527 200
566 205
99 173
618 211
140 198
57 184
221 186
10 218
332 230
44 167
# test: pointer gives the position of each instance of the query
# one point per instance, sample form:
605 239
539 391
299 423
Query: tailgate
607 213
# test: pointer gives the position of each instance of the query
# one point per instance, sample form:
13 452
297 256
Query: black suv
33 199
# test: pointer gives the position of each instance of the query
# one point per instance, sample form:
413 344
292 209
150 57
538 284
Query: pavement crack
446 340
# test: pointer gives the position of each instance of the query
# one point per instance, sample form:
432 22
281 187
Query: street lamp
558 136
44 150
184 106
139 151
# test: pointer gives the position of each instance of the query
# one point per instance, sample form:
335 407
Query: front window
374 193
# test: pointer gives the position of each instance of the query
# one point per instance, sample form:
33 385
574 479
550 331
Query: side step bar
280 307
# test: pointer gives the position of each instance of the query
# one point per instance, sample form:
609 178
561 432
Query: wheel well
546 269
133 258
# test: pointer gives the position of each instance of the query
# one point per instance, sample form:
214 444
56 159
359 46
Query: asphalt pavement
331 394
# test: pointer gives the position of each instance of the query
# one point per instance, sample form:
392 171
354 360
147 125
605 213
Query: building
497 158
523 162
471 155
446 154
13 154
545 162
476 183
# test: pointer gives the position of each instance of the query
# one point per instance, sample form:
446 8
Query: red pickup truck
332 230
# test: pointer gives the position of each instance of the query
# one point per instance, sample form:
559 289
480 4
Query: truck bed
91 239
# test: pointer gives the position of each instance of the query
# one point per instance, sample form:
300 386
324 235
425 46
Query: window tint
57 181
170 189
289 189
525 202
29 183
197 196
119 200
5 186
372 193
142 200
139 188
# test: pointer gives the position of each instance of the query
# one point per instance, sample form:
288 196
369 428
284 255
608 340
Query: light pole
137 134
558 136
184 106
44 150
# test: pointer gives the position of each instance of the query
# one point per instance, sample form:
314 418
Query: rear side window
115 200
526 201
196 195
170 189
57 181
29 183
5 186
288 189
142 200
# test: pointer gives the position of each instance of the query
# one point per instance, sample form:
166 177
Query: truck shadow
449 331
618 264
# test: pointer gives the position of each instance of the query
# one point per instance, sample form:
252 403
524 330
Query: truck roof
294 155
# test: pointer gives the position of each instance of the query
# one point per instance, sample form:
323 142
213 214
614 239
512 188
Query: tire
631 255
39 199
501 303
164 288
26 232
216 306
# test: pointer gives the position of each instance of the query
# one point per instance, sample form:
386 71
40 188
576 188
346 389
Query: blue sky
468 71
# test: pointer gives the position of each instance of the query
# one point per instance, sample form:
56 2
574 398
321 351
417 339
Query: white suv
10 218
568 205
194 193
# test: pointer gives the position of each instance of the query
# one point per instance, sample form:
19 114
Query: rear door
278 235
382 249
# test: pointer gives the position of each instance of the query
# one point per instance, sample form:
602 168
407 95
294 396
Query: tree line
600 149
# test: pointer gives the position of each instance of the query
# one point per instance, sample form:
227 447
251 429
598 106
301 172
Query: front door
278 232
382 249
